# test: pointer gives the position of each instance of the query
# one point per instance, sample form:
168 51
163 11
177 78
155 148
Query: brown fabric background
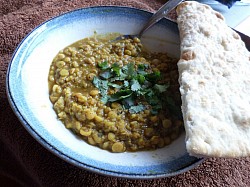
27 162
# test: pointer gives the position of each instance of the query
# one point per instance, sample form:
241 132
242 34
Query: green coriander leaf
160 88
126 84
125 68
103 91
128 102
113 79
154 100
103 65
141 92
114 85
105 75
141 78
141 69
120 95
153 77
102 85
96 81
149 93
146 85
136 109
118 74
129 70
123 76
116 69
135 85
104 99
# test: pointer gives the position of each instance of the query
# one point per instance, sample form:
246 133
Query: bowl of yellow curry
109 106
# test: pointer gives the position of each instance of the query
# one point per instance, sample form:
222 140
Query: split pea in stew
116 95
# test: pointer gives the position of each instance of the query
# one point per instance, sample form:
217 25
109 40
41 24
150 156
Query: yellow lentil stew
116 95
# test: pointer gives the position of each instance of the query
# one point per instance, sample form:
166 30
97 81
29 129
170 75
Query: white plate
27 89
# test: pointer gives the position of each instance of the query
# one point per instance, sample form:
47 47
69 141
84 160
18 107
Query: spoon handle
163 11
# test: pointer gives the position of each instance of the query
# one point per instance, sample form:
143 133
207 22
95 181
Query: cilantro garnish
137 108
153 77
135 86
122 94
104 65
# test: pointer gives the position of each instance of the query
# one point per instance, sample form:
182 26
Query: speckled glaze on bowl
27 90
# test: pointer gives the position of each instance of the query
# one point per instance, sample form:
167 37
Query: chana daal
116 95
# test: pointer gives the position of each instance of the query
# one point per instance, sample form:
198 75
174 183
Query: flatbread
214 77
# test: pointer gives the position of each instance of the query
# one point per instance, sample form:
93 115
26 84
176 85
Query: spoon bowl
157 16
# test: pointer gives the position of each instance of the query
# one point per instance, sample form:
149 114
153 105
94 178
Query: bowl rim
53 149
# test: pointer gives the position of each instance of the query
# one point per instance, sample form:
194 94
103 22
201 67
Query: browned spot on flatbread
188 55
218 15
207 7
236 36
179 7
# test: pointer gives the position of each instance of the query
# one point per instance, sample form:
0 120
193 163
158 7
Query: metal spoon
163 11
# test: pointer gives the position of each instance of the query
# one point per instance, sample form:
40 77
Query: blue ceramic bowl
27 89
